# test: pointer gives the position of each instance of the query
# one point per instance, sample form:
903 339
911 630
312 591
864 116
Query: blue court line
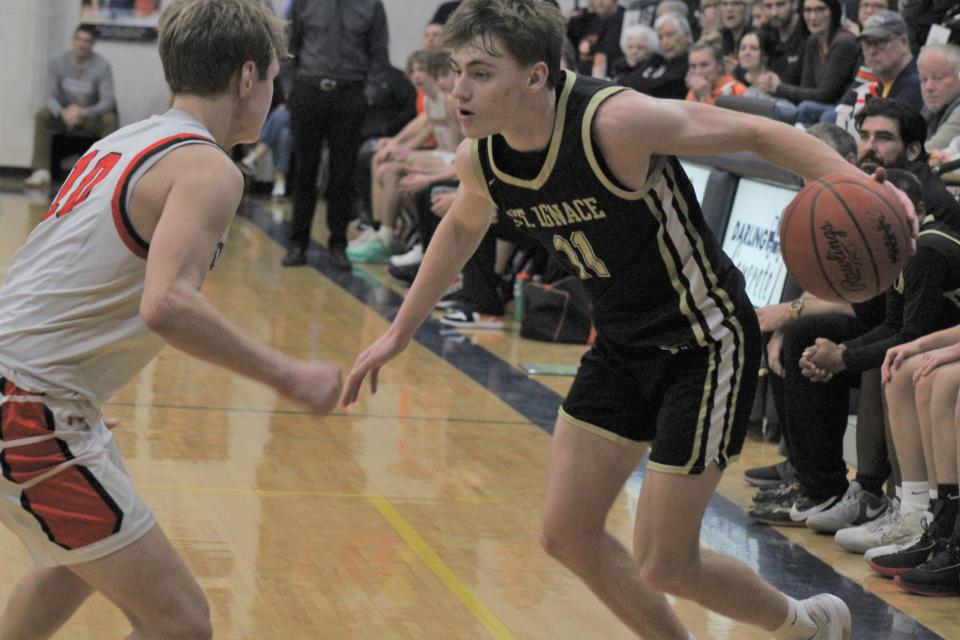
726 527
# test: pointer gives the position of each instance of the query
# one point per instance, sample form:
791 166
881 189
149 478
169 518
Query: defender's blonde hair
203 43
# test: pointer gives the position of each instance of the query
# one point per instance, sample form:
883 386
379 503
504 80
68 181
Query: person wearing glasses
829 63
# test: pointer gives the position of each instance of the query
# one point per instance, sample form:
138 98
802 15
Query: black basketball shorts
692 404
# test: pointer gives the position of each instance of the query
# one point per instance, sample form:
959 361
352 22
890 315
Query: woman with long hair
829 63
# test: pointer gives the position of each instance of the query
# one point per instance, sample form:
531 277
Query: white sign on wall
752 239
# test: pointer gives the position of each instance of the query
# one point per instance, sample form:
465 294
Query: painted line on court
295 412
474 605
726 527
284 493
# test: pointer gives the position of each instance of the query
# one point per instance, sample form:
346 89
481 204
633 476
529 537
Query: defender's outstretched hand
370 361
315 384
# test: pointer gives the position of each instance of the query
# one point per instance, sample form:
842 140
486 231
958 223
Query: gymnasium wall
31 31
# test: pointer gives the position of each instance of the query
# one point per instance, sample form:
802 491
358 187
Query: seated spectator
706 80
639 43
274 137
664 74
398 156
922 14
922 385
829 63
432 35
391 104
751 63
890 64
758 17
784 37
79 99
939 68
708 18
866 9
588 31
892 135
735 21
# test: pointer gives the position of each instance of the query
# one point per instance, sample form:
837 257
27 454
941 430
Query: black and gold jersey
654 271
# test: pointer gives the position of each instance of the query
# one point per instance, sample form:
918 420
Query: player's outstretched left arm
199 206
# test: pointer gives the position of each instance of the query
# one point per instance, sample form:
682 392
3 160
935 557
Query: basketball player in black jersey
589 170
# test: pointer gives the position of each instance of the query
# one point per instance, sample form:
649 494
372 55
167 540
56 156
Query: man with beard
786 35
892 136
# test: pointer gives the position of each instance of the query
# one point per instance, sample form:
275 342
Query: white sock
798 625
916 497
934 494
386 234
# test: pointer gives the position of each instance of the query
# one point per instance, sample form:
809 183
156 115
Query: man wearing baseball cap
885 44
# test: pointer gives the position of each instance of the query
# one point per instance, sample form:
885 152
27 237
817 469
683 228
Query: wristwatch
796 307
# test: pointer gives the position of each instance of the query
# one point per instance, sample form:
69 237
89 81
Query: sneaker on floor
249 162
414 256
776 511
894 527
450 299
467 319
39 178
374 251
831 615
403 276
363 238
906 557
772 474
806 507
939 576
776 491
279 189
857 507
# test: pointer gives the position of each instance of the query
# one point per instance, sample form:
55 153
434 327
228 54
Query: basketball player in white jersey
111 273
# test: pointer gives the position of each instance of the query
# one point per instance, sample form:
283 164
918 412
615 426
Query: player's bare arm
457 237
196 212
631 127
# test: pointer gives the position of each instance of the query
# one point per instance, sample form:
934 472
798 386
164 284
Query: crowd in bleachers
880 83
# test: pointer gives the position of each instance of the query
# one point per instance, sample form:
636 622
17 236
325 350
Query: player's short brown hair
531 31
203 43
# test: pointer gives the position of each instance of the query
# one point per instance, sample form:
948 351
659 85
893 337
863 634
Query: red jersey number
71 194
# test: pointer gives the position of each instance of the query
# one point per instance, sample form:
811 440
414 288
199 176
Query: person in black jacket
663 74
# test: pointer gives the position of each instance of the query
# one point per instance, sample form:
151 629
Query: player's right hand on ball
314 384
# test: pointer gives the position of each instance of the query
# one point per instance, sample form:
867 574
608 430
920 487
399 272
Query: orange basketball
845 238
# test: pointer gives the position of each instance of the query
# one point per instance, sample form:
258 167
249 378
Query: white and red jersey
69 311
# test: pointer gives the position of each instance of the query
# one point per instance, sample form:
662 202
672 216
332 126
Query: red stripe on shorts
28 420
73 508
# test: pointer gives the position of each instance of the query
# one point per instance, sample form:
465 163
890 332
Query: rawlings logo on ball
889 239
846 257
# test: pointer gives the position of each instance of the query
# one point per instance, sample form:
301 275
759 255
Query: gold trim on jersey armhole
936 232
552 153
599 431
478 166
587 134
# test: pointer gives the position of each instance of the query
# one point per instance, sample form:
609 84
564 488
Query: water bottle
519 283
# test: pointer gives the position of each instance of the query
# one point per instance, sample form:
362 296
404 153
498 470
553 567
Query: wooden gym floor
414 514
